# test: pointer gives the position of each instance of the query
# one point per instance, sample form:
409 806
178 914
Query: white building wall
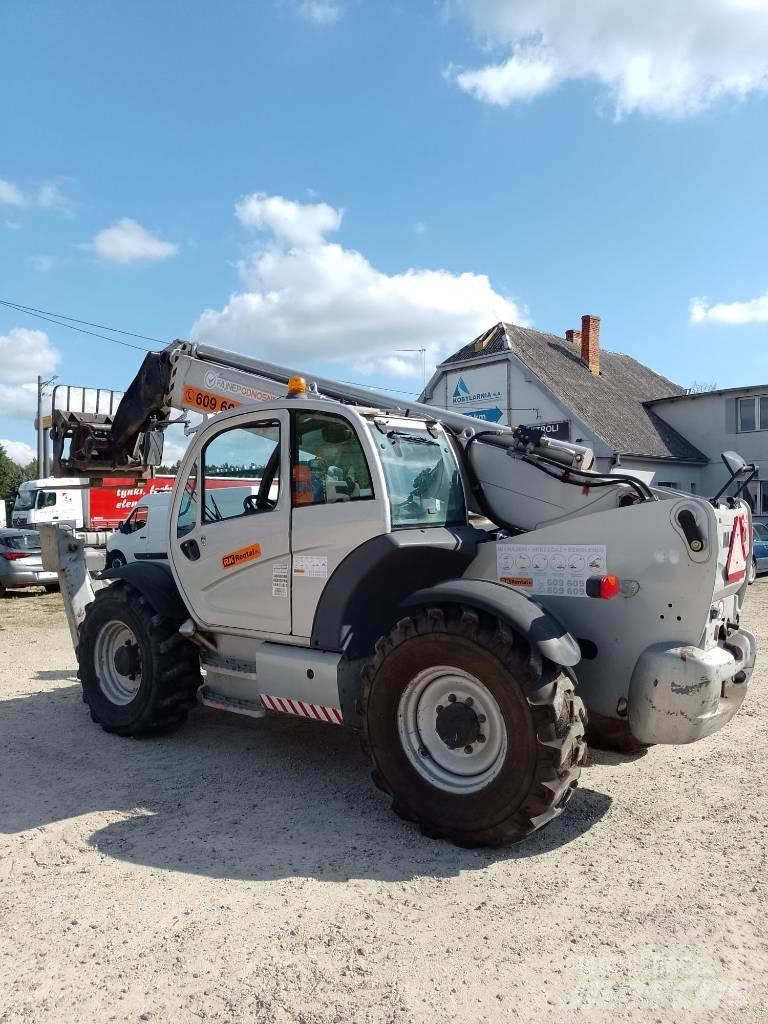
710 421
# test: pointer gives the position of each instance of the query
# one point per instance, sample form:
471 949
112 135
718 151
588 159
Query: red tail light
11 556
604 587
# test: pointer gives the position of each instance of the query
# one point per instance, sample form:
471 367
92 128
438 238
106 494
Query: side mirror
734 462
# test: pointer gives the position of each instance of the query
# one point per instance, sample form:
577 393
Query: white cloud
47 196
18 451
10 194
300 224
753 311
23 355
668 58
128 242
307 299
319 12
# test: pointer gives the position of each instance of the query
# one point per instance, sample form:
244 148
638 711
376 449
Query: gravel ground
247 871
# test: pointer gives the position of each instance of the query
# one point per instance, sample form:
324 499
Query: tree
11 476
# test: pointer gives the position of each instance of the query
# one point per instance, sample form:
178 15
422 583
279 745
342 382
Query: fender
361 600
517 609
154 581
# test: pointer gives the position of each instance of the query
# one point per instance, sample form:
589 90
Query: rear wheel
139 676
3 591
752 571
472 733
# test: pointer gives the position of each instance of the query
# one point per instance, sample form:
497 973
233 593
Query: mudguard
154 581
518 610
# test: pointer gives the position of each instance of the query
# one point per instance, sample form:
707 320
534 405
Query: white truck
357 588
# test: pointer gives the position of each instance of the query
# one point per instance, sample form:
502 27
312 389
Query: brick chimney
574 337
590 343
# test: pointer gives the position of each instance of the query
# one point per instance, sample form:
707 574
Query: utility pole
40 429
42 439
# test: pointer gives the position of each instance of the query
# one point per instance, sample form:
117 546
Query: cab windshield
423 479
25 500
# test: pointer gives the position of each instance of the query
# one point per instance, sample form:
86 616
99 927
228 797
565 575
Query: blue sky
334 181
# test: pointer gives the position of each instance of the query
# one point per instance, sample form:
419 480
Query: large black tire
166 667
544 721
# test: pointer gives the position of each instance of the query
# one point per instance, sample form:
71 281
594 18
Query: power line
88 323
44 314
71 327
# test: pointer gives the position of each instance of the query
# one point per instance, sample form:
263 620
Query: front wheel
139 676
116 560
752 572
472 733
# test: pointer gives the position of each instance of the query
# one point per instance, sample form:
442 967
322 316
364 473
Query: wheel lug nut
481 738
440 708
451 698
467 749
468 701
481 719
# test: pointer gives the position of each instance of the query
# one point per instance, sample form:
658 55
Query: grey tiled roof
611 404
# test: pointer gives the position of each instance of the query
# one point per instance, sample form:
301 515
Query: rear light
11 556
604 587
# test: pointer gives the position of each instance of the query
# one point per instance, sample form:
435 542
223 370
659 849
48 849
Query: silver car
21 564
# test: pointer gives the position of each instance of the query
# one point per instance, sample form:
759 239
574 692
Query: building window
763 506
753 414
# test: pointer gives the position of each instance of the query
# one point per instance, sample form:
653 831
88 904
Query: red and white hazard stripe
292 706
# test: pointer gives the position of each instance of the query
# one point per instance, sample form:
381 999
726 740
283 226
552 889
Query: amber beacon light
297 387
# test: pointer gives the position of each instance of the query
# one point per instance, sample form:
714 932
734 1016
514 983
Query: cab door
231 544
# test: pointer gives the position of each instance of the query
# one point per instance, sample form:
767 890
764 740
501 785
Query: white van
144 534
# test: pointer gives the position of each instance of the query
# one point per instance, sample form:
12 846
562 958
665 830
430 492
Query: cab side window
136 521
241 472
328 463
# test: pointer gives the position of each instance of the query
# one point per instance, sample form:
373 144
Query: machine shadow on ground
229 798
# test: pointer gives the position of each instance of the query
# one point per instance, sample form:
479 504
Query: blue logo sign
489 415
461 390
463 396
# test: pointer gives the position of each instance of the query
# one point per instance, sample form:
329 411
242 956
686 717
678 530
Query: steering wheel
256 503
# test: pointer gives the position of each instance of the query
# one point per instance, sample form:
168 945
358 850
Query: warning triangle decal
738 552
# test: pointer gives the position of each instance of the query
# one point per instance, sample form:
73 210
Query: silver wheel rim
464 769
116 687
752 572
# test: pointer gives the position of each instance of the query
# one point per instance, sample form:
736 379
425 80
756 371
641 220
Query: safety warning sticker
280 579
557 570
311 565
242 555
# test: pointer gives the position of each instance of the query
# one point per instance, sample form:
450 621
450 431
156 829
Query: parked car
21 564
759 551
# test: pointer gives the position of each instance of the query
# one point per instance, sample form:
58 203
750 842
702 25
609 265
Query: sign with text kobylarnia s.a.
479 392
558 430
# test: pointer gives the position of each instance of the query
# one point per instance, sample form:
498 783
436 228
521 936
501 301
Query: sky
327 182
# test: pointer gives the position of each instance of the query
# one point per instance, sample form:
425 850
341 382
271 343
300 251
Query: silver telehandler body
457 595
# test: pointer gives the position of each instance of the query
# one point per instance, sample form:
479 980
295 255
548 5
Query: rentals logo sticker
248 554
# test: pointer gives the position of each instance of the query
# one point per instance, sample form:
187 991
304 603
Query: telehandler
455 594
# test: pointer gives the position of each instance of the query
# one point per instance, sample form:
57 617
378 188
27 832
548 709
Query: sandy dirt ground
247 871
